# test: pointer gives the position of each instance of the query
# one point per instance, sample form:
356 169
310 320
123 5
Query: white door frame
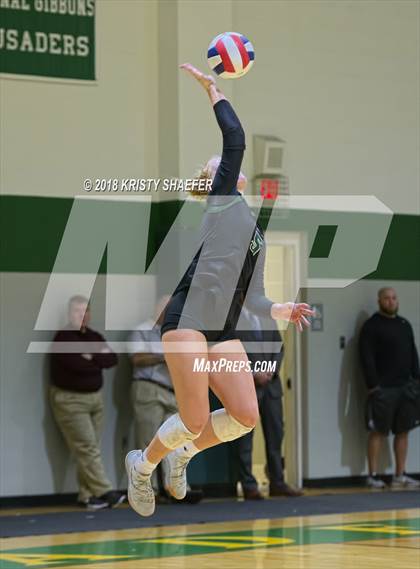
295 240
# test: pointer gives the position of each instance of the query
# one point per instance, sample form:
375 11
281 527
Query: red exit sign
269 188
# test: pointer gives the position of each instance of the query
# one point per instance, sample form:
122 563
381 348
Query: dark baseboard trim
226 490
55 500
39 501
346 481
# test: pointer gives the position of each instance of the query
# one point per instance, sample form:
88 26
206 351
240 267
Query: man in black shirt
391 368
77 403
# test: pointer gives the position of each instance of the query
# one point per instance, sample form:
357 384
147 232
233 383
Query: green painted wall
31 229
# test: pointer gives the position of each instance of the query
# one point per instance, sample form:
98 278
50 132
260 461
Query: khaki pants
152 406
80 417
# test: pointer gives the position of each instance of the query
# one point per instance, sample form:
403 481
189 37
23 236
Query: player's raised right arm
206 81
226 177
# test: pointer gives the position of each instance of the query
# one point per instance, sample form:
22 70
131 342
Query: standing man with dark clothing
269 394
77 403
391 369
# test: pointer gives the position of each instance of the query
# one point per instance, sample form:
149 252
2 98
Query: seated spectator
77 403
152 392
269 394
391 368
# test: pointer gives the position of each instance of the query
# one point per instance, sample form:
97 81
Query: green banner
48 38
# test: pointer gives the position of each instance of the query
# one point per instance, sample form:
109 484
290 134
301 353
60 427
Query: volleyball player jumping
228 267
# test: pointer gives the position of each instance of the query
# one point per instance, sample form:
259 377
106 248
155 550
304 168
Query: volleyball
230 55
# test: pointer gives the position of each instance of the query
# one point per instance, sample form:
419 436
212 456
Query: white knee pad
225 427
173 433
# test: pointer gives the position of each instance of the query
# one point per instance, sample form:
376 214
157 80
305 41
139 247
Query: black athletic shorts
395 409
172 316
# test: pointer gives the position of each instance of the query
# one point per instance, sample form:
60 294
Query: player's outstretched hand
205 80
293 312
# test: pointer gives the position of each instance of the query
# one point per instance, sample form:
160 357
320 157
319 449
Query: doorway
283 273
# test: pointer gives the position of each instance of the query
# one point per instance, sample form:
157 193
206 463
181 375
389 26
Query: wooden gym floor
369 540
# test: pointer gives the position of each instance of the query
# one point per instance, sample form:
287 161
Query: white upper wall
338 80
55 134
